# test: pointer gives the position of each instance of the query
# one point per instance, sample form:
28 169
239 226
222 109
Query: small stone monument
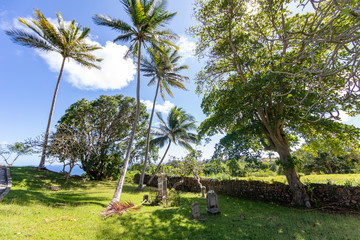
146 198
203 191
212 202
162 186
195 210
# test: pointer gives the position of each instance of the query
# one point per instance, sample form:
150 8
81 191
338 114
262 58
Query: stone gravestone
212 202
203 190
162 186
195 210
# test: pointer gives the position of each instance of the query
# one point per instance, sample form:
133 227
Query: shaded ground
31 211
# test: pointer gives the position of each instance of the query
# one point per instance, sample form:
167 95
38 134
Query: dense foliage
329 154
95 133
254 84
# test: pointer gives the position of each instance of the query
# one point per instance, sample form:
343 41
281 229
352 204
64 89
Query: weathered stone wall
322 194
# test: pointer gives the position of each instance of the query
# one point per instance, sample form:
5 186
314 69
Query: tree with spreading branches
163 69
18 149
272 74
175 130
148 18
69 40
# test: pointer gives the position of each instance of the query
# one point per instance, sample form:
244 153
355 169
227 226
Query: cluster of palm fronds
119 208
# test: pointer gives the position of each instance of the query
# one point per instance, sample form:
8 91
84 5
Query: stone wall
322 194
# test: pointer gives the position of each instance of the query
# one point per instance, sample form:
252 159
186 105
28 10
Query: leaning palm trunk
158 166
142 176
120 184
42 161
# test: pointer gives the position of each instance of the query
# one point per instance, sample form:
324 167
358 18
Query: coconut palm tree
162 68
69 40
175 130
148 17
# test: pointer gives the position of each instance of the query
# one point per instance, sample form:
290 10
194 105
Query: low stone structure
195 210
162 186
322 194
5 181
212 205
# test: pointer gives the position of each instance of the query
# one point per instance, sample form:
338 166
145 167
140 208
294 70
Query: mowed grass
30 211
336 179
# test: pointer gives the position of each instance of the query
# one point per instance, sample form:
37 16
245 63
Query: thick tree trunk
158 166
121 181
277 141
42 161
142 176
300 196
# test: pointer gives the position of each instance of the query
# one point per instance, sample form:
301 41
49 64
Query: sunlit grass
31 211
336 179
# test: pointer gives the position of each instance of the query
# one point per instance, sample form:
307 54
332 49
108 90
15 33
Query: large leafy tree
329 153
176 129
148 17
96 133
254 86
69 40
163 69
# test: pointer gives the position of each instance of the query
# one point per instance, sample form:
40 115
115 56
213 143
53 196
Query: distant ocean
58 168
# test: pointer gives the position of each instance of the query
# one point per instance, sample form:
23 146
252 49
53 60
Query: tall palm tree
175 130
162 67
148 17
67 40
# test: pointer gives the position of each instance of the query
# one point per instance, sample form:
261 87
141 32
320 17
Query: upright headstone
212 202
195 210
162 185
203 190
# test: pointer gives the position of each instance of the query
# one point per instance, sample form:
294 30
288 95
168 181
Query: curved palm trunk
158 166
120 184
142 176
42 161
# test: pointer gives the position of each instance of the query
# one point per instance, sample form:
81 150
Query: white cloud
186 48
4 143
115 73
165 108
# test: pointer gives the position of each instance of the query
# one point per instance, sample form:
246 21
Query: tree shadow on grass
262 221
58 199
33 186
40 179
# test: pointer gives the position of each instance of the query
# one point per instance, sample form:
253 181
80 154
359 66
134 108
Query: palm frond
119 208
65 39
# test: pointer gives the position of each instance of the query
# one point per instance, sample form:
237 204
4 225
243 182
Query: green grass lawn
337 179
30 211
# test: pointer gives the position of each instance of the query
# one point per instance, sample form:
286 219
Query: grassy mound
32 211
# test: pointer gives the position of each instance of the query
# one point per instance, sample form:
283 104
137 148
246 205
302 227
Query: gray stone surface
195 210
212 202
3 182
162 186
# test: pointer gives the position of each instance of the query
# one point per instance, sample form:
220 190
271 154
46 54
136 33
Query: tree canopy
254 85
96 134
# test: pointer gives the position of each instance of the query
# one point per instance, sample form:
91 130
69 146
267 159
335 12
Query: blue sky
28 77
